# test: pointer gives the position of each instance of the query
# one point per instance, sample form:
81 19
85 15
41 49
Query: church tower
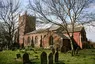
27 24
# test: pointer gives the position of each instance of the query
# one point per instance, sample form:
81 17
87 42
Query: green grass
8 57
86 56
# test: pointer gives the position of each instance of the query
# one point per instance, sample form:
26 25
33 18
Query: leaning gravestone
56 56
50 58
43 58
26 59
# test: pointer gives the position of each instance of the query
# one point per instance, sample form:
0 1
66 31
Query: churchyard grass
86 56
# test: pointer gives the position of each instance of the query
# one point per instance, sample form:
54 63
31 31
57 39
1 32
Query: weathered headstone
57 49
26 58
56 56
18 56
50 58
43 58
77 50
53 50
63 49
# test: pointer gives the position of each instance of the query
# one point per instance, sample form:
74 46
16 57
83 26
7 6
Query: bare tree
91 19
9 10
64 11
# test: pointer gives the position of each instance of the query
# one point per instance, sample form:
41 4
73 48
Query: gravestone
43 58
26 59
50 58
77 50
56 56
53 50
63 49
57 49
18 56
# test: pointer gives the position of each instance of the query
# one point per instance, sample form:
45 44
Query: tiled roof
54 28
61 35
38 31
76 29
45 30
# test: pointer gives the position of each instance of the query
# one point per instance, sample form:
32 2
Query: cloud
90 33
92 5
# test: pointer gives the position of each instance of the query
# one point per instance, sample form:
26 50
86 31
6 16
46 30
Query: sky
90 31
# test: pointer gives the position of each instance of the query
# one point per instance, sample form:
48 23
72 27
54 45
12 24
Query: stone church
29 36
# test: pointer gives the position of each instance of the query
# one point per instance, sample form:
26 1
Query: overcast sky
90 31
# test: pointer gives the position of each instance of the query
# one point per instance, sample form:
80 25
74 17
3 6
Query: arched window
28 40
36 39
51 40
23 43
32 42
23 40
41 41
